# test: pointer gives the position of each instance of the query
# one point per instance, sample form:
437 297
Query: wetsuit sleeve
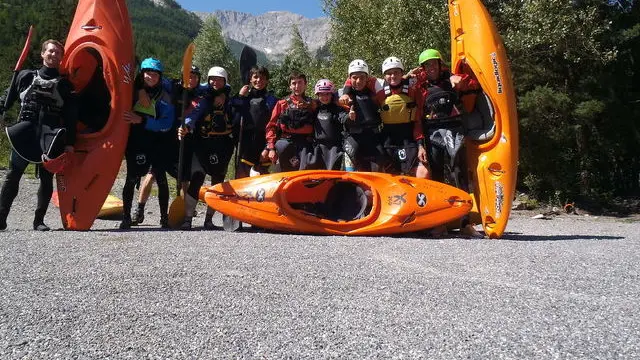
199 112
271 127
23 80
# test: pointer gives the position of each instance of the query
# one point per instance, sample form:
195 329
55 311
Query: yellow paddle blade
176 212
187 60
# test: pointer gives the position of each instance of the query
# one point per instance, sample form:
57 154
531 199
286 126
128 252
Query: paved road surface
568 287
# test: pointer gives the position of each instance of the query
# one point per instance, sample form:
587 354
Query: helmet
358 65
428 55
392 63
218 71
195 70
151 64
324 86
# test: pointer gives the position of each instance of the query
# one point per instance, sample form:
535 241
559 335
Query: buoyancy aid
328 126
441 103
367 113
216 122
41 98
297 115
259 112
398 108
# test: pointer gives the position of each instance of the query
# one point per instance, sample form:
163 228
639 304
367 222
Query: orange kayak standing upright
99 61
492 139
338 202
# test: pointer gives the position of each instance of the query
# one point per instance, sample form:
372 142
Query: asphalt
566 287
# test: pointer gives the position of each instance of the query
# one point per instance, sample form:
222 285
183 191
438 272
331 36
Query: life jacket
367 113
216 122
398 108
259 112
298 115
327 127
41 98
442 103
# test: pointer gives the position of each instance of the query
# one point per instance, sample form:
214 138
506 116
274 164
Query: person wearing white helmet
290 129
209 131
361 144
402 136
328 127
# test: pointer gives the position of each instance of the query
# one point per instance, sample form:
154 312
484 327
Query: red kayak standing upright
99 60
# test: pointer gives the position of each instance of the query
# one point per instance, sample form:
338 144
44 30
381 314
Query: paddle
248 59
176 210
16 70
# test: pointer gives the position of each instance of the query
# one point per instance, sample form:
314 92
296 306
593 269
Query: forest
575 68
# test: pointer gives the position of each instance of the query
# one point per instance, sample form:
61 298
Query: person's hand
273 156
345 100
68 149
182 132
132 118
244 91
143 98
422 155
352 114
414 72
455 80
219 100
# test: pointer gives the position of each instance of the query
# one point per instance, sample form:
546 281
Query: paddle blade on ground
176 212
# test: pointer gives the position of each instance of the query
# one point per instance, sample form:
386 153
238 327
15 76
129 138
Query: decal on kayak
421 199
496 71
397 199
260 195
128 74
499 199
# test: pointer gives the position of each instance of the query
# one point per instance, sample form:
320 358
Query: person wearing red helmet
328 127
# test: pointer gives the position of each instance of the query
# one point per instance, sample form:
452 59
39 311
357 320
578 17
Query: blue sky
307 8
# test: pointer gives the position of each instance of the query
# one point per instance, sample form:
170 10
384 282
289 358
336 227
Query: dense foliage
574 65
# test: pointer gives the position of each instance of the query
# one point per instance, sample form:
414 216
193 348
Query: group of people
371 124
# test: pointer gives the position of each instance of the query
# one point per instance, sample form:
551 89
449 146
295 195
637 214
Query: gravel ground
567 287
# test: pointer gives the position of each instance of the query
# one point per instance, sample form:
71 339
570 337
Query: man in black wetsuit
47 126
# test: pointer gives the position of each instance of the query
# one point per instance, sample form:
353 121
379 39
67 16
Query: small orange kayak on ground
492 138
100 63
112 207
338 202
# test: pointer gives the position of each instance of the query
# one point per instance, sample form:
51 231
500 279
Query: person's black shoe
186 225
208 225
138 216
41 227
164 221
126 222
3 222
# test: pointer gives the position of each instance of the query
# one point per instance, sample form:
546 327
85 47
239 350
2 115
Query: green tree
212 50
297 58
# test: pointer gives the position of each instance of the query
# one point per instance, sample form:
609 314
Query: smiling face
259 81
393 76
52 55
359 80
325 97
217 82
194 80
432 68
151 78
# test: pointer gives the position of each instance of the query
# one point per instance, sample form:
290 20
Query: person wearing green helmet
440 101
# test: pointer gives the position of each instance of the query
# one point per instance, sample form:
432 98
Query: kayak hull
477 49
99 61
308 202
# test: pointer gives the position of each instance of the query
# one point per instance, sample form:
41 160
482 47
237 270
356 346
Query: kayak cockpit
339 201
480 124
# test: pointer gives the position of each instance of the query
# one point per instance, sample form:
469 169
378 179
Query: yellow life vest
398 108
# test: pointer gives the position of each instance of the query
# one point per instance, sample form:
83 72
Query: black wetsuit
38 111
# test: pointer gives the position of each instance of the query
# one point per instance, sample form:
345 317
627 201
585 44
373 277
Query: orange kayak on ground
100 63
338 202
492 140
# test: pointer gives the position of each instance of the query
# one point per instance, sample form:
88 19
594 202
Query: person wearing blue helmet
151 119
